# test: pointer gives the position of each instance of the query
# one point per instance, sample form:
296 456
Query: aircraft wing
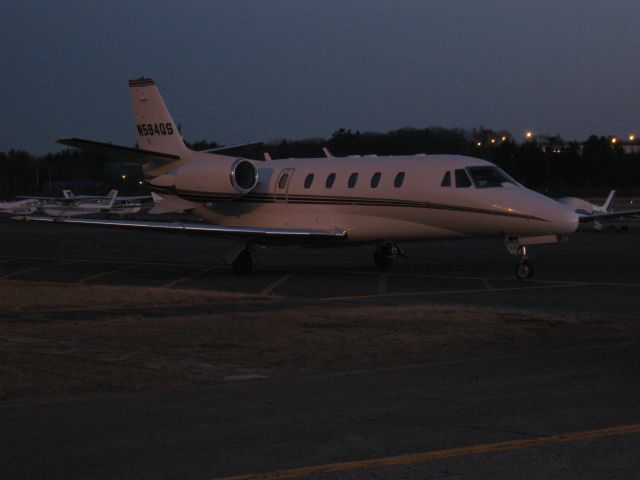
596 217
122 153
276 235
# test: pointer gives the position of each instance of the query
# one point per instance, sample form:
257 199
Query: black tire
382 260
524 270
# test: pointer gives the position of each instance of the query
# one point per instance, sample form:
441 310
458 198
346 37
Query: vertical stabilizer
111 198
156 129
608 205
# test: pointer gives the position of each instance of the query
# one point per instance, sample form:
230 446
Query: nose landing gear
524 270
385 254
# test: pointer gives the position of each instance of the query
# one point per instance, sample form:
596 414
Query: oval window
353 178
283 181
375 180
308 181
399 179
330 179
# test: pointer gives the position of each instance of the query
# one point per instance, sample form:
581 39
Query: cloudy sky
235 71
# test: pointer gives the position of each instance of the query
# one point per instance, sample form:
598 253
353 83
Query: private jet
328 201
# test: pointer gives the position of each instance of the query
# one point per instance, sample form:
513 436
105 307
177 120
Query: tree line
544 163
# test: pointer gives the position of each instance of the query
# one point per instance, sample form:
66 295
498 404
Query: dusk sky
236 71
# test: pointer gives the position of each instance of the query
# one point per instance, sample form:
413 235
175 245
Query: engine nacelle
235 176
243 175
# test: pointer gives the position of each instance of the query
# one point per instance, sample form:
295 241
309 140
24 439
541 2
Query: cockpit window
489 177
462 179
446 180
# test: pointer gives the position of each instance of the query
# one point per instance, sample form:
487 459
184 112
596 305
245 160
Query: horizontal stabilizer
118 151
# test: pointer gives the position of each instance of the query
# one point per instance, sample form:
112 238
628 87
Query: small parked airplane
20 207
122 206
596 214
329 200
71 206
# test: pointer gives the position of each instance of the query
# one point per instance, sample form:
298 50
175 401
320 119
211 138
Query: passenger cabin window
489 177
330 179
462 179
399 179
446 181
308 181
283 181
353 178
375 180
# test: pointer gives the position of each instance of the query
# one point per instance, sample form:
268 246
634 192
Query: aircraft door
281 188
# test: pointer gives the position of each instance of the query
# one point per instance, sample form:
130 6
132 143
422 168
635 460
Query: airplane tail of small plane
111 198
608 204
157 132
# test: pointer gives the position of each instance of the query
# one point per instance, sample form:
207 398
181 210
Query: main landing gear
385 254
523 267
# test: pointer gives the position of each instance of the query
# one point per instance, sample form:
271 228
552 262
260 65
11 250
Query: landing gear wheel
523 270
243 262
382 259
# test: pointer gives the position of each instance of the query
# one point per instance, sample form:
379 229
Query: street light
632 138
528 135
614 140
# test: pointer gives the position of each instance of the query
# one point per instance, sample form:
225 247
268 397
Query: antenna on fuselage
267 157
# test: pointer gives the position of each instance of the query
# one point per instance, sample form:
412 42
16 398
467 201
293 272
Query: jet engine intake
243 176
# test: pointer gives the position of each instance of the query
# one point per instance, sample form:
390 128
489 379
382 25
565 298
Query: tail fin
67 194
157 131
111 198
608 204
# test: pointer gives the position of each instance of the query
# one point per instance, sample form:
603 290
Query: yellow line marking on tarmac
439 454
187 278
271 287
451 292
36 269
110 272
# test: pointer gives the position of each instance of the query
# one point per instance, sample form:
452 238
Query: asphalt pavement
566 413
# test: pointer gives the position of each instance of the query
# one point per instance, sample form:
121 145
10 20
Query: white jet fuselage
418 208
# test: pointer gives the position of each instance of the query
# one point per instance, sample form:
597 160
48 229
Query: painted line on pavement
271 287
37 269
110 272
440 454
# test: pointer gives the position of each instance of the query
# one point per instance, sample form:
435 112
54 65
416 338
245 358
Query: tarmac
565 403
